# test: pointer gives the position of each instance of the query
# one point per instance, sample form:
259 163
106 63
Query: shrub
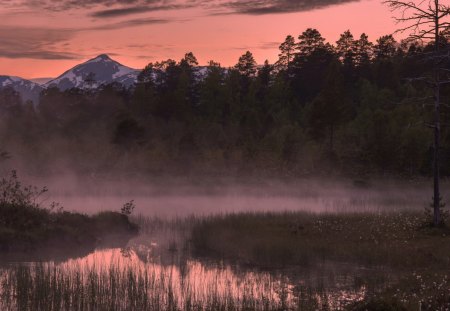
14 193
26 225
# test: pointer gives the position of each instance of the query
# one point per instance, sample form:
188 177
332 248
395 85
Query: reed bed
110 281
249 261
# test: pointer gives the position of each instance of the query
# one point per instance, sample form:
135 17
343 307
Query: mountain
95 72
27 89
91 74
41 80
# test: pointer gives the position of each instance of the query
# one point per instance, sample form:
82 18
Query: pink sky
39 39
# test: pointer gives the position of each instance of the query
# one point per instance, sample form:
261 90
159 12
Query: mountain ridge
93 73
28 90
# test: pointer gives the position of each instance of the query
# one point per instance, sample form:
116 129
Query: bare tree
426 20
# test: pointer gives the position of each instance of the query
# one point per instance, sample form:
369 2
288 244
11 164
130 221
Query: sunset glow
43 39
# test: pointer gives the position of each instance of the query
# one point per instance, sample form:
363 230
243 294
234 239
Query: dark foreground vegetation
27 226
415 256
250 262
271 240
354 107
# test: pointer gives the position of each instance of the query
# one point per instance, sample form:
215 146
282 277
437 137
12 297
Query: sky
43 38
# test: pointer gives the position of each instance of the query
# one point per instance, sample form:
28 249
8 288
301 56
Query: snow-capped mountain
98 71
27 89
91 74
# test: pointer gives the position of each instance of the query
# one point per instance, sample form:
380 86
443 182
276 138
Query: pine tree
189 60
364 51
386 47
311 63
346 48
246 65
310 41
287 53
328 109
145 77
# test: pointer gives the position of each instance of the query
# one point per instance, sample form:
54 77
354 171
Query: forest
355 107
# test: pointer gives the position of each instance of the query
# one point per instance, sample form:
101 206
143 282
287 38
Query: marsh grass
396 240
250 261
399 244
133 285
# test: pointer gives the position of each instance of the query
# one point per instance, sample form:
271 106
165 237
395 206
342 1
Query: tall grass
111 282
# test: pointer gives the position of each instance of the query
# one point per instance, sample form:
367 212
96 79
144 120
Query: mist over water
286 261
170 197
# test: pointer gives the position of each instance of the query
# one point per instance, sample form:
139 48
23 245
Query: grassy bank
28 226
415 256
31 229
398 240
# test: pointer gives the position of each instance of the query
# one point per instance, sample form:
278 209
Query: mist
187 196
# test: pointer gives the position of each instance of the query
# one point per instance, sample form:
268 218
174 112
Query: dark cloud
30 42
38 54
124 11
262 7
62 5
52 43
128 23
148 57
117 8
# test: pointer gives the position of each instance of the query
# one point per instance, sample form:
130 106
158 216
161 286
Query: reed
133 285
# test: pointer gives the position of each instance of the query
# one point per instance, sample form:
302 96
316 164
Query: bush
12 192
27 226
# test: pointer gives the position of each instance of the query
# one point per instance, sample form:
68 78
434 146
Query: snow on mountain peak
27 89
98 71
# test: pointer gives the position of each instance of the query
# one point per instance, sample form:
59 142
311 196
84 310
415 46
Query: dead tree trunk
437 122
425 21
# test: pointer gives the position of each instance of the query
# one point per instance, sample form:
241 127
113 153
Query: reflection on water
139 279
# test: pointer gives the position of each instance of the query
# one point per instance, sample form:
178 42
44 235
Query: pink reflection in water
195 282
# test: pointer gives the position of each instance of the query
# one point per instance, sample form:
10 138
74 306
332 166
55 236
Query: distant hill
28 90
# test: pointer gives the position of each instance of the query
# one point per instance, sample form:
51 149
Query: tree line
353 107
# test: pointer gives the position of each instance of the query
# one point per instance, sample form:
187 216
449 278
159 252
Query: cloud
147 57
124 11
263 7
64 5
117 8
127 23
269 45
261 46
52 43
30 42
